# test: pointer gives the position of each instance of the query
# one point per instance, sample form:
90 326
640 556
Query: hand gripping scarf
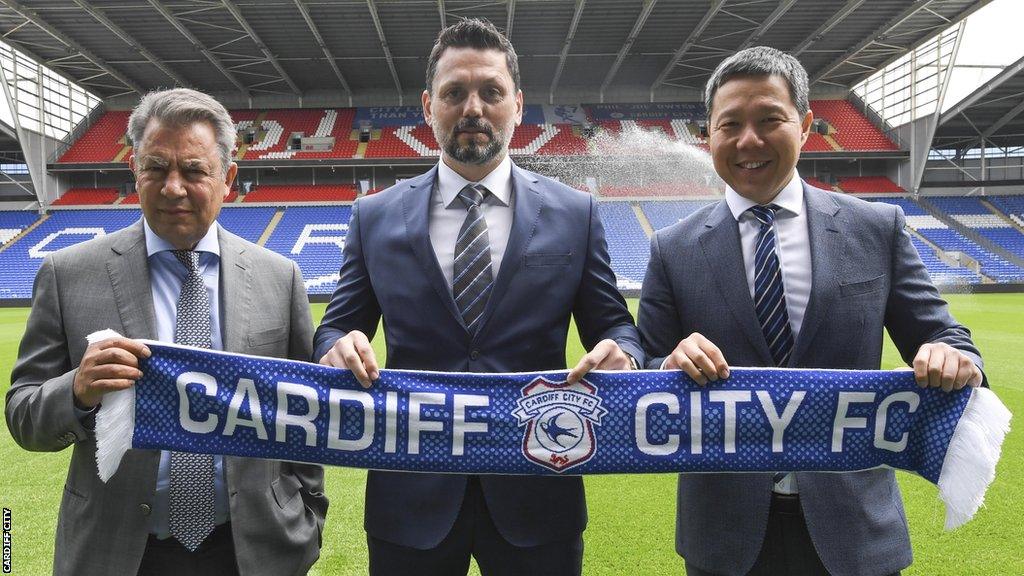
757 420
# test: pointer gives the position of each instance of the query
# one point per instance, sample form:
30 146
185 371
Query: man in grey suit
780 273
176 275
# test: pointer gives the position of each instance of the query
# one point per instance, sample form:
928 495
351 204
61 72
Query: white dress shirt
447 213
793 246
166 275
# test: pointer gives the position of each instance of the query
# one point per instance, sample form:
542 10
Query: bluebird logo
559 421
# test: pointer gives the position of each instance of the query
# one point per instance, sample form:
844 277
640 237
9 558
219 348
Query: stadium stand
971 213
248 222
313 236
671 189
13 222
667 212
853 131
628 245
20 261
87 197
1012 206
302 193
869 185
816 183
102 142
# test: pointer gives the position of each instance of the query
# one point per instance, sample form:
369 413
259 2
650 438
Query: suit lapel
528 205
128 269
826 240
235 291
416 212
723 253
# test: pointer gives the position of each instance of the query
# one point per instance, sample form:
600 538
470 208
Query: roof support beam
847 9
1003 120
510 17
580 4
384 46
716 7
64 39
131 42
983 90
441 13
240 18
767 23
173 20
645 13
323 46
871 38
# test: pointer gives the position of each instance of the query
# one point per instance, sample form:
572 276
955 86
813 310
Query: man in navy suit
780 273
475 266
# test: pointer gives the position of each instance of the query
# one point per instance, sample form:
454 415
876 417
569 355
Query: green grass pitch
631 517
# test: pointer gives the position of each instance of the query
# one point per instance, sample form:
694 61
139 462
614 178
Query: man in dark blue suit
780 273
475 266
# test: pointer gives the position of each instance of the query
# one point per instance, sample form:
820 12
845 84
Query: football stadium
918 104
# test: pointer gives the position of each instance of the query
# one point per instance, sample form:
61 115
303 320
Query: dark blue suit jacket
866 277
555 265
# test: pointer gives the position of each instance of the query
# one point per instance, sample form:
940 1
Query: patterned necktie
769 293
472 277
190 515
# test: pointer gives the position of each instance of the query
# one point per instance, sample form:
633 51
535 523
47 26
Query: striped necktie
472 277
190 500
769 292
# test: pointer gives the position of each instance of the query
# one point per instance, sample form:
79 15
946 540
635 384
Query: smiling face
473 108
179 179
755 134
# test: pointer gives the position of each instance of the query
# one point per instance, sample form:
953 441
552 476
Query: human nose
173 185
473 107
749 137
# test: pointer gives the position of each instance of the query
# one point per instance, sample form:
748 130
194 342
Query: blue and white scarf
762 420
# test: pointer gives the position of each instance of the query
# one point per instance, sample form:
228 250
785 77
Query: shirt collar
498 182
790 198
154 243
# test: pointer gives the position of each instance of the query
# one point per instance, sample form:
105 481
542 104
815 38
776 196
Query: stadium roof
994 111
374 51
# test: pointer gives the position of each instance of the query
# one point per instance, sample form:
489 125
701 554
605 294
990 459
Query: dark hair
762 61
472 33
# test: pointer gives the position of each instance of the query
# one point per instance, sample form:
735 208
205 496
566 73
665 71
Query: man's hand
605 356
939 365
698 357
353 352
107 366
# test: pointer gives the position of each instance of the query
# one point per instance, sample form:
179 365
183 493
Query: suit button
145 509
474 354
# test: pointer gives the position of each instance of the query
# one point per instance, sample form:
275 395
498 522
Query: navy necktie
471 276
769 292
190 502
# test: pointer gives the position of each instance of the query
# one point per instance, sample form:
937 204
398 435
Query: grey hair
183 106
762 61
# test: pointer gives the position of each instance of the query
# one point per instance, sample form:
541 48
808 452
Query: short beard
472 153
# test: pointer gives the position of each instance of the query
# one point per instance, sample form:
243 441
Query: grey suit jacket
866 276
277 508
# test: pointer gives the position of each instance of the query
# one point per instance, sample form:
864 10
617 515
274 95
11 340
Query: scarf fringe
970 464
115 422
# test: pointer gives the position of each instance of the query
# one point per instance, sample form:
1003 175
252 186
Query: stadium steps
945 257
125 150
832 141
274 220
642 218
25 232
1002 215
970 233
361 150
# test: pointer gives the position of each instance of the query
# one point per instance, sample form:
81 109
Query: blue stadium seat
310 235
628 245
665 213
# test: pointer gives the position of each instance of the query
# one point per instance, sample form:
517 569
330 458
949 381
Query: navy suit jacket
555 265
866 276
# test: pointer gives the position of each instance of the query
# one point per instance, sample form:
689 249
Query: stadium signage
758 420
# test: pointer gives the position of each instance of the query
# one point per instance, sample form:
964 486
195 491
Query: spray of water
637 162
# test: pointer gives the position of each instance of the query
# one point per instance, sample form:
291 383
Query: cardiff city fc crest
559 420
